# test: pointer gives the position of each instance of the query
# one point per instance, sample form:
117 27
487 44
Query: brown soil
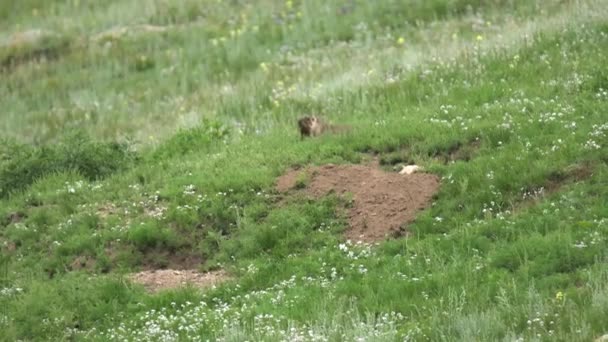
14 217
571 174
83 262
109 209
7 246
457 151
158 258
383 202
106 210
555 181
158 280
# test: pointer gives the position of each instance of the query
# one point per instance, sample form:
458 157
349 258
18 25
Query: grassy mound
503 100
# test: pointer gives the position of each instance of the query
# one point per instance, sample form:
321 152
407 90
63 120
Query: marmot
312 126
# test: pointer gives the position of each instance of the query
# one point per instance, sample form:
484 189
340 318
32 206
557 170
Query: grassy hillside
149 134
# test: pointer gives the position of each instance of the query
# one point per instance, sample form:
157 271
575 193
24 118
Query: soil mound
158 280
383 202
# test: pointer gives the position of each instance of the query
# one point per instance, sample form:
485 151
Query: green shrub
21 165
281 234
193 139
150 235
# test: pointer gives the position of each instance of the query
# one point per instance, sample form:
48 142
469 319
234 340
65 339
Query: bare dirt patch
571 174
159 258
554 183
451 153
106 210
457 152
14 217
383 203
157 280
83 263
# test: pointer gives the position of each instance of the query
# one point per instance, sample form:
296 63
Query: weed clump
22 164
194 139
148 236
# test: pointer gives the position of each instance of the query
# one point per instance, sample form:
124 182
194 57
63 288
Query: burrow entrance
383 203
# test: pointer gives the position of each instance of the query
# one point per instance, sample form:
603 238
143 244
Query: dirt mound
383 202
158 280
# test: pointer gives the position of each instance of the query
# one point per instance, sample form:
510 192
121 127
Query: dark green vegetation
22 165
513 247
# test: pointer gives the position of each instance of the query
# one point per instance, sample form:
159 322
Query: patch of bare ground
571 174
457 151
158 280
107 209
554 182
14 217
383 203
83 263
154 258
6 246
158 258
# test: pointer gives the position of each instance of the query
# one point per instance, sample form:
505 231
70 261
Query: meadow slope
142 135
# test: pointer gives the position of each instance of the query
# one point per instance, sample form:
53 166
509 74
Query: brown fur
312 126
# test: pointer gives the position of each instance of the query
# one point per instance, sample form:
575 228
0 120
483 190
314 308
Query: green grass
184 127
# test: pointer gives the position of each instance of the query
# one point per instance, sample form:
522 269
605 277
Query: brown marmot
312 126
